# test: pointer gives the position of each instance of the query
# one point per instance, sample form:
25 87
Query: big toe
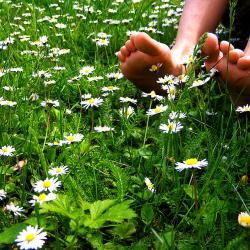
244 62
211 47
147 45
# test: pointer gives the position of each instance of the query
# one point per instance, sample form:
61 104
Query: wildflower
127 99
95 78
100 129
115 76
171 90
101 41
244 219
31 238
171 127
47 185
158 109
92 102
155 68
2 194
15 209
58 170
167 79
109 88
42 198
86 70
191 163
52 103
73 138
153 95
60 25
149 185
7 150
127 111
199 82
245 108
177 115
183 78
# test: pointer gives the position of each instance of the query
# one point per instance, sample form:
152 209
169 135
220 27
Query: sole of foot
138 55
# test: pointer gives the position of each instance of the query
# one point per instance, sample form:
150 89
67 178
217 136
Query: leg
141 52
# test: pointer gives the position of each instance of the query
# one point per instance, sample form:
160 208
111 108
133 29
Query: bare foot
233 66
138 55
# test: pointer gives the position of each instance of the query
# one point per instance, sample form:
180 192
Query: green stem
195 190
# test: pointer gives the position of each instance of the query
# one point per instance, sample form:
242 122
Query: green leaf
189 190
62 205
8 236
124 230
147 213
107 210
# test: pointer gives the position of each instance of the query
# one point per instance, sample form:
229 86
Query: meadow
88 161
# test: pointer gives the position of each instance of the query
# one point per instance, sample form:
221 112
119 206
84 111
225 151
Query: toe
124 51
225 47
244 62
211 47
121 57
130 46
144 43
234 55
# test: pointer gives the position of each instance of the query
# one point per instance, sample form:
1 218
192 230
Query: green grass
103 202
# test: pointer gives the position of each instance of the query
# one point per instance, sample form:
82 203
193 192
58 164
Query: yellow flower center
110 87
42 197
246 109
30 237
191 161
152 93
91 101
71 138
154 68
245 220
5 150
47 184
171 126
157 109
58 170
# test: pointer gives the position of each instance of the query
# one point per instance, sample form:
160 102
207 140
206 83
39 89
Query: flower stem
195 190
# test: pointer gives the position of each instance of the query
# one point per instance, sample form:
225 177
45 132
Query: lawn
89 161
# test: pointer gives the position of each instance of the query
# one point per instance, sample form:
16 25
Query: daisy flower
199 82
42 198
58 170
47 185
149 185
73 138
7 151
115 76
155 68
127 99
177 115
158 109
92 102
109 88
49 102
31 238
244 219
126 111
245 108
191 163
60 25
2 194
153 95
86 70
100 129
171 127
15 209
